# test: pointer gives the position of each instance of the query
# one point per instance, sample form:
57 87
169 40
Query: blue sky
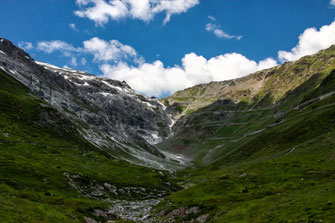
160 46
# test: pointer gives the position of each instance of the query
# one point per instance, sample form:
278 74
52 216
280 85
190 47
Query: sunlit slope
284 173
241 110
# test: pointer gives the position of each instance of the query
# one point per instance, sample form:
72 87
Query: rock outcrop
107 113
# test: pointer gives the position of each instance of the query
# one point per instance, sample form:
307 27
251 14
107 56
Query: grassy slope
37 146
215 130
285 174
261 88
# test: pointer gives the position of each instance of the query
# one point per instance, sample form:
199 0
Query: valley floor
283 174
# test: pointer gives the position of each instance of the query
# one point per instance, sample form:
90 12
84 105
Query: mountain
50 173
261 88
75 147
107 113
50 169
221 115
262 146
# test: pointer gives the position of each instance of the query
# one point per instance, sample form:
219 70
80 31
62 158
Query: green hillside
48 173
267 158
210 132
285 174
262 150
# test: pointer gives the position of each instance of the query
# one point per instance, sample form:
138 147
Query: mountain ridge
239 89
235 113
255 149
108 113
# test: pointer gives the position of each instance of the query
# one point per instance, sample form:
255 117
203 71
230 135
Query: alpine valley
75 147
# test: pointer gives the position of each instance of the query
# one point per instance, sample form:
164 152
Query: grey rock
107 113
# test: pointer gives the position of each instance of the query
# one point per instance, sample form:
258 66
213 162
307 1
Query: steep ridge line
96 105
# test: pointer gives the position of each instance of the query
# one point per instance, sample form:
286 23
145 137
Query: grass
38 146
265 160
286 174
251 164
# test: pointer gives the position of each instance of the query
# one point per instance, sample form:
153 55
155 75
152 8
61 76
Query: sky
161 46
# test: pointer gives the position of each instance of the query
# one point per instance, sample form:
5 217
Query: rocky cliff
107 113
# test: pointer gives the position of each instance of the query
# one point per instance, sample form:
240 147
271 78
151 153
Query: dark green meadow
38 147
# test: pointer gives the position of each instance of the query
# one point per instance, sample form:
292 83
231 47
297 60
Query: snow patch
108 84
146 103
152 138
62 70
106 94
13 71
116 87
45 65
84 77
172 121
3 52
163 106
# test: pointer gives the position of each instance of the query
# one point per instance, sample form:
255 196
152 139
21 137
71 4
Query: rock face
107 113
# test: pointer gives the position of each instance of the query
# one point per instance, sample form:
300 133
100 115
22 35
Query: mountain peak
8 48
108 113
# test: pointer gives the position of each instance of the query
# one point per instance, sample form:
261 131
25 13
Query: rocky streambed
138 211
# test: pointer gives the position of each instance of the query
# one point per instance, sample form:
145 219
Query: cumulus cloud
119 61
101 11
73 62
332 2
155 79
210 27
104 51
55 45
310 42
26 45
73 27
83 61
211 18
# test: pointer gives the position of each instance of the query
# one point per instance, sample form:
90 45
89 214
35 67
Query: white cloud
55 45
103 51
113 50
332 2
73 27
310 42
172 7
102 11
155 79
83 61
210 27
73 62
140 10
212 18
26 45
